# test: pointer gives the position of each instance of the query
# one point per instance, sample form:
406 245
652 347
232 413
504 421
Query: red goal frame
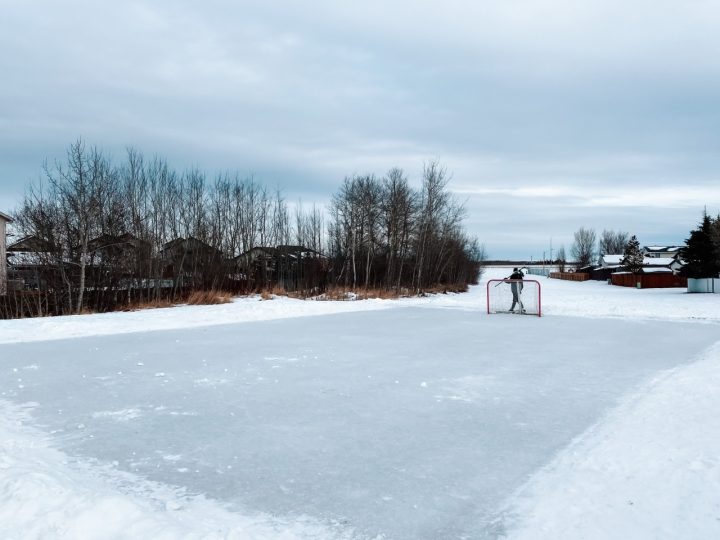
496 282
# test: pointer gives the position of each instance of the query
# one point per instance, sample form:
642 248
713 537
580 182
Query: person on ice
516 287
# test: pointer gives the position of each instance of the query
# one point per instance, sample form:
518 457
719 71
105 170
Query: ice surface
410 423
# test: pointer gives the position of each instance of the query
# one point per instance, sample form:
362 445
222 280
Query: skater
516 287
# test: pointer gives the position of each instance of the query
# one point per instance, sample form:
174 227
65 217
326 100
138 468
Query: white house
662 252
662 264
4 220
611 261
650 263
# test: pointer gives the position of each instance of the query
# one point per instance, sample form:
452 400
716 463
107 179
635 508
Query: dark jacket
517 287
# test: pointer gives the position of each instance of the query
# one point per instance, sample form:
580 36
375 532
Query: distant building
662 252
124 253
656 259
662 259
29 259
289 267
611 261
4 220
191 262
662 264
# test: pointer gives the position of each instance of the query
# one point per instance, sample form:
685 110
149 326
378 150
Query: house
610 260
662 259
662 252
123 253
4 220
257 264
190 261
30 259
125 243
662 264
612 263
29 250
290 267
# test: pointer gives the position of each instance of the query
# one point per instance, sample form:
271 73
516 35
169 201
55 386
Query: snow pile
45 496
245 309
650 470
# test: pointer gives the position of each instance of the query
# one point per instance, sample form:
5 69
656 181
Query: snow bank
44 495
650 470
246 309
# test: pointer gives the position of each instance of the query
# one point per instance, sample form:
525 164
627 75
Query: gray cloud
611 105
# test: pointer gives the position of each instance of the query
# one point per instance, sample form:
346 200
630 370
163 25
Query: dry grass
208 298
444 289
148 304
341 293
269 293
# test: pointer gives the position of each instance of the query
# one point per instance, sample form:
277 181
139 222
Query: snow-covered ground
417 418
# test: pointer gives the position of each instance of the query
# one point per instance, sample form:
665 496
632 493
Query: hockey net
500 296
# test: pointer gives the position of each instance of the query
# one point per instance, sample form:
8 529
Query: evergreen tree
715 236
633 256
700 253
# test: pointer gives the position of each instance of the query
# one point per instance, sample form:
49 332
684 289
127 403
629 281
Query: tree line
383 233
102 232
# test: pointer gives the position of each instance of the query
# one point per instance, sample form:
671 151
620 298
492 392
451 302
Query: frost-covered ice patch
123 415
210 382
44 494
468 389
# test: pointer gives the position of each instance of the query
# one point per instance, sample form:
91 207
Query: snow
46 495
612 259
241 310
659 261
416 418
650 469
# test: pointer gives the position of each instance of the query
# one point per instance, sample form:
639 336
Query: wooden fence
570 276
649 281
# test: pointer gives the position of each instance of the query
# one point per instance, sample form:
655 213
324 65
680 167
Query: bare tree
612 243
81 186
398 208
433 201
561 258
583 250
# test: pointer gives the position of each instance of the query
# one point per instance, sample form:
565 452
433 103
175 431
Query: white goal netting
514 296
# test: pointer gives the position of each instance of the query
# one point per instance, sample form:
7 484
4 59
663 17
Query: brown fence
649 281
570 276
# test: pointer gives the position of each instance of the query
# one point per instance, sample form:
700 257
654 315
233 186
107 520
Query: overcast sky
550 114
